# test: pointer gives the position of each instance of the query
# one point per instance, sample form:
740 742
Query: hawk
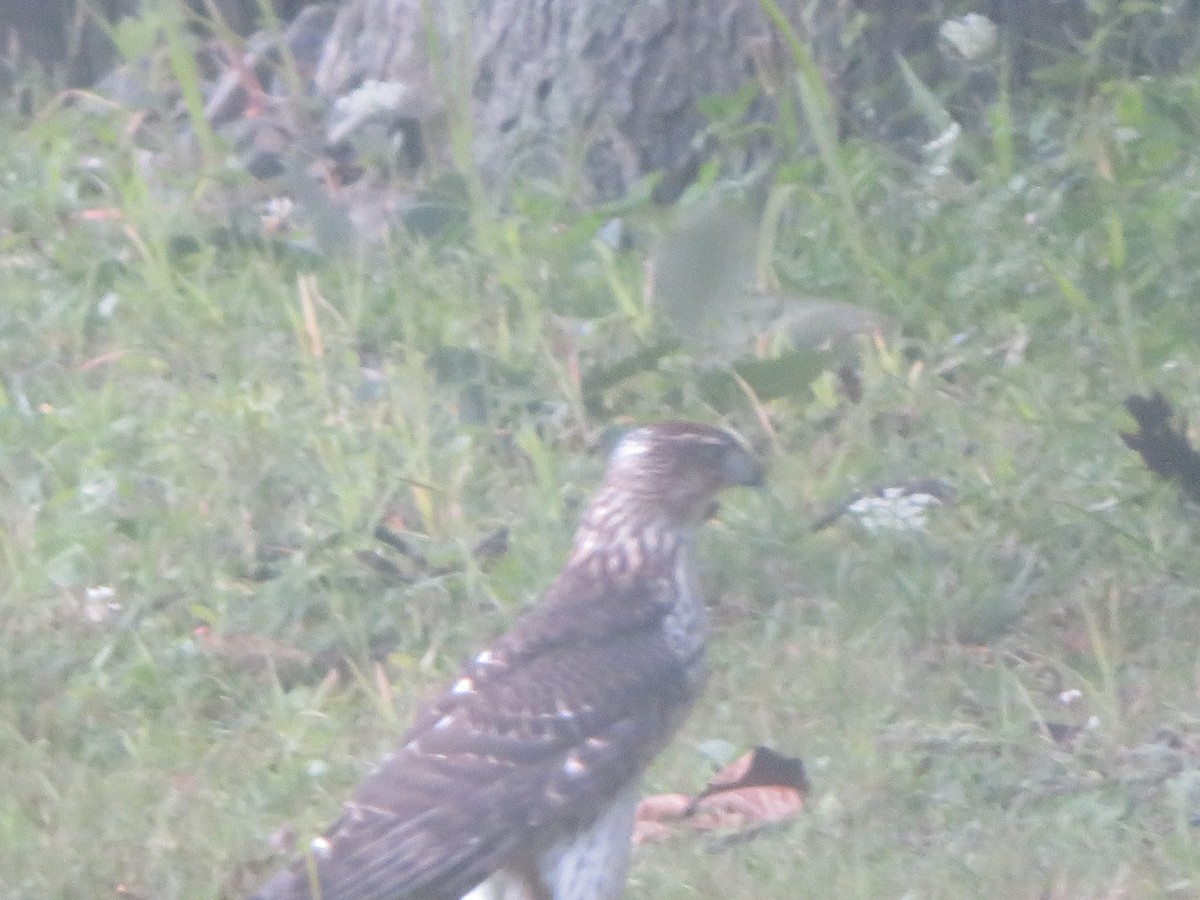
520 780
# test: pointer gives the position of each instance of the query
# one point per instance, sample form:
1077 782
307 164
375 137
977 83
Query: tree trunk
603 90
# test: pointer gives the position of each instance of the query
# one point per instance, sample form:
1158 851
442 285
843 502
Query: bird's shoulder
585 657
584 605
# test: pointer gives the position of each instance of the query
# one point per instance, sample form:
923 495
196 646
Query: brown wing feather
537 734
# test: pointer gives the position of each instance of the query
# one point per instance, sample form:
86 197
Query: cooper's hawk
521 779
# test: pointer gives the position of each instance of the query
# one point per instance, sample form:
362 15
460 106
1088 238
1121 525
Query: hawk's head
672 471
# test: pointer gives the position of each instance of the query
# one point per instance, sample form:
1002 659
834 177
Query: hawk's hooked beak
741 468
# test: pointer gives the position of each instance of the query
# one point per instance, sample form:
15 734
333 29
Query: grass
197 432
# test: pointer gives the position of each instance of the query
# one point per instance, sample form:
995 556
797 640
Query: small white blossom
893 509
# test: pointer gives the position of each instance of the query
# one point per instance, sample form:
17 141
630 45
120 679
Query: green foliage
199 431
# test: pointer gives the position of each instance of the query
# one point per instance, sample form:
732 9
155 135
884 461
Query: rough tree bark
603 89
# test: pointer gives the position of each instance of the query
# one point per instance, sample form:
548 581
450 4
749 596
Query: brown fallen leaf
250 652
759 788
654 815
744 808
